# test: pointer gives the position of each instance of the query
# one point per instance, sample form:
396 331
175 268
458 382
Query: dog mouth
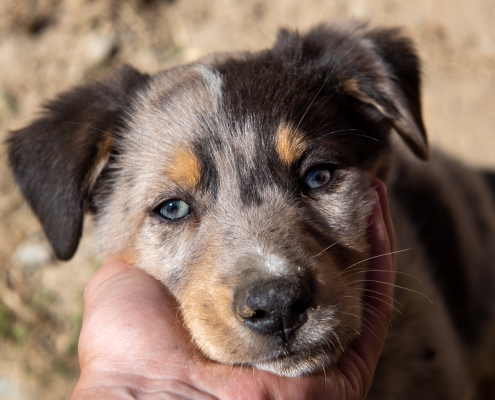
301 339
269 322
291 333
298 357
290 324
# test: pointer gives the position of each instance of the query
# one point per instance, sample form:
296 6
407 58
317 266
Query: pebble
97 48
31 254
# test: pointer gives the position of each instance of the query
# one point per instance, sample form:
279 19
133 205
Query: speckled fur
233 136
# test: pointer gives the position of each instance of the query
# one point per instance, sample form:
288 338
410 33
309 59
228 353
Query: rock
97 48
33 253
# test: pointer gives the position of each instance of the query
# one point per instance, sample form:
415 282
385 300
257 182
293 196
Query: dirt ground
49 45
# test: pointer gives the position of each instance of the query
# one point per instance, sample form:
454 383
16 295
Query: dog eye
173 209
317 177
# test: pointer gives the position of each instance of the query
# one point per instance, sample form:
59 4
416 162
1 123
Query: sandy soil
49 45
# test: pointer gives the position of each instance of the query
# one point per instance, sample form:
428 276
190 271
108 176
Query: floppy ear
57 159
380 68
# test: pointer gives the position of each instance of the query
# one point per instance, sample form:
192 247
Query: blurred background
47 46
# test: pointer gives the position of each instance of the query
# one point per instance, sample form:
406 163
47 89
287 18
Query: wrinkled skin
133 343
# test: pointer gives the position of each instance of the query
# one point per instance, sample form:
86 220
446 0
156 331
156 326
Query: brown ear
57 159
391 83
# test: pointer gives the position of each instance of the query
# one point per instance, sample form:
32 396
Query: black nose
274 307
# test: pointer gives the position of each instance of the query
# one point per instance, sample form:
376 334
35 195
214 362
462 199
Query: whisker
364 270
367 308
322 86
329 342
364 325
371 310
377 298
319 129
321 252
371 258
394 285
342 130
338 340
383 301
369 305
372 138
352 315
374 291
357 332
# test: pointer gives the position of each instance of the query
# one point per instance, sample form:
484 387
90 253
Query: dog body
242 182
443 211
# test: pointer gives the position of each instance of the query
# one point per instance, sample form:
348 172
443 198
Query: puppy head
241 182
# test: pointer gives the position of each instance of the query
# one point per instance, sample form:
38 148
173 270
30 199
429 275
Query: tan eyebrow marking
184 169
290 143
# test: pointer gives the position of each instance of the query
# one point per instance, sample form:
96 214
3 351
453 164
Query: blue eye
317 177
173 209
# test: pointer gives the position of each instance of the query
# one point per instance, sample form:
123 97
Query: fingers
381 190
381 276
112 387
359 364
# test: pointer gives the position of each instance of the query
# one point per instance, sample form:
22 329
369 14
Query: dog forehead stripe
290 144
185 169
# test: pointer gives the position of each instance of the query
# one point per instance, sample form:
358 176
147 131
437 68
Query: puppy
242 183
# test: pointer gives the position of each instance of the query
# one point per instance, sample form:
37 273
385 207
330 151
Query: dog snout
274 307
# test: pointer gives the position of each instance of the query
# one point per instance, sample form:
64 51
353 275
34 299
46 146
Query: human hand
133 343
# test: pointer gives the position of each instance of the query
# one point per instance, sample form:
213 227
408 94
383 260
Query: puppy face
240 182
252 218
